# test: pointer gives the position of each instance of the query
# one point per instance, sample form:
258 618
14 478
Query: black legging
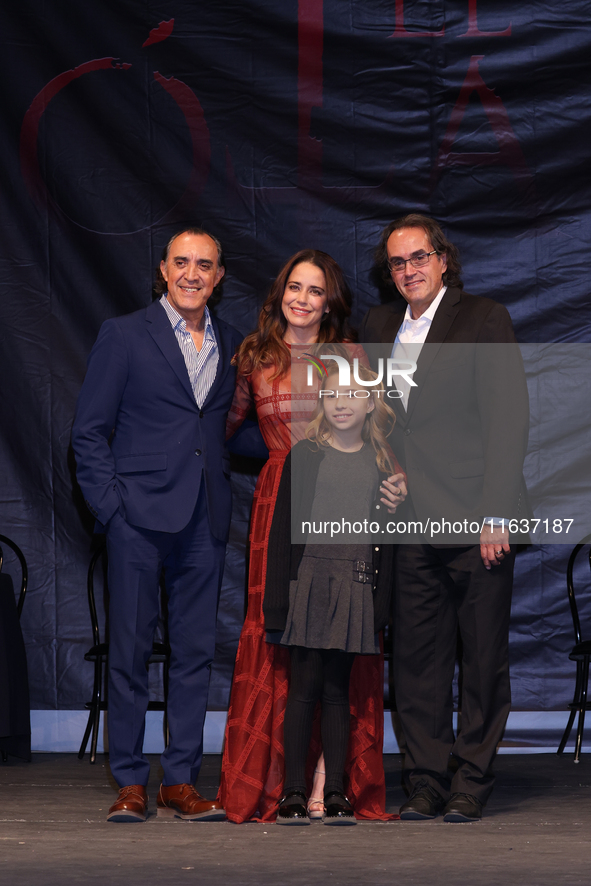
317 675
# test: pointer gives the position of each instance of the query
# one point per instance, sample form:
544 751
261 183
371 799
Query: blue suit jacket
142 444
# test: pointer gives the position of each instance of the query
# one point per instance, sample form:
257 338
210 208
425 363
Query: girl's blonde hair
377 427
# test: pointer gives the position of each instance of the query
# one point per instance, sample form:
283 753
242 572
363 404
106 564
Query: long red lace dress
253 761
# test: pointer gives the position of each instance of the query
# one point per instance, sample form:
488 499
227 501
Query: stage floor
536 831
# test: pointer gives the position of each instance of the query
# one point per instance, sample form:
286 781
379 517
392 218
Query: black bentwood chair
581 653
99 653
24 571
18 654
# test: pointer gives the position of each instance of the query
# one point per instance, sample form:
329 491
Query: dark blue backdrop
278 126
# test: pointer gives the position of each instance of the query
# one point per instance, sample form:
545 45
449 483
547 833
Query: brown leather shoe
183 801
131 804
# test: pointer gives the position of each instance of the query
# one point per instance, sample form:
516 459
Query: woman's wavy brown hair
377 427
265 346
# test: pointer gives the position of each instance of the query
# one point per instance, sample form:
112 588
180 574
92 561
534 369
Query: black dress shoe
338 809
462 807
423 803
292 809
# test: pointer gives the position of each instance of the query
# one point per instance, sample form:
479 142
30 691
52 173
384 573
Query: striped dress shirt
201 365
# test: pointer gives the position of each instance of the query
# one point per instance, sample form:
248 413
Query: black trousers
437 591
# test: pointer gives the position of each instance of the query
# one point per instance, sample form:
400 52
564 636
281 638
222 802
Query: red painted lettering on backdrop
400 30
192 111
509 153
310 46
185 98
30 128
310 86
160 33
473 29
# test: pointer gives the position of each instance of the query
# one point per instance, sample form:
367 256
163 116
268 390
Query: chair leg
96 696
582 709
82 750
4 757
165 728
95 728
567 732
165 714
97 711
576 703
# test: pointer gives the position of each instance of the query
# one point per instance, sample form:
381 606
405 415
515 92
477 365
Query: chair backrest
571 587
24 571
99 555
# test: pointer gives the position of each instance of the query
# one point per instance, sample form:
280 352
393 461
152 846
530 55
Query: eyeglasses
417 261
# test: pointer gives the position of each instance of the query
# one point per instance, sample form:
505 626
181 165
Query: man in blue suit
149 442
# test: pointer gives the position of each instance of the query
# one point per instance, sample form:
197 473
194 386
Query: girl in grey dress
327 596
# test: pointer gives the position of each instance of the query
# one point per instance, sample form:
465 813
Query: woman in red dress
309 302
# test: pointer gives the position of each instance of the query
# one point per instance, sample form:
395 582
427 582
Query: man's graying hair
437 239
160 285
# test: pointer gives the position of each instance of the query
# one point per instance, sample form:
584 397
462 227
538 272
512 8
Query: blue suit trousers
193 561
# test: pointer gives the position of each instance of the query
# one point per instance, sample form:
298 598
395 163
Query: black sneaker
424 803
